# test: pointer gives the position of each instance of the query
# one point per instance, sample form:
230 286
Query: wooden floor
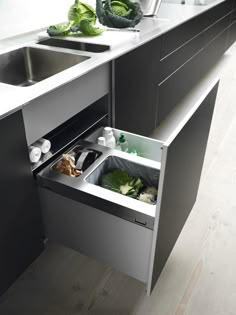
200 275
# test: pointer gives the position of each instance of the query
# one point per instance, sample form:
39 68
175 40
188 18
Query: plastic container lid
107 130
102 141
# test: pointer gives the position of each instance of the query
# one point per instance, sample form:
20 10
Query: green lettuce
82 19
121 182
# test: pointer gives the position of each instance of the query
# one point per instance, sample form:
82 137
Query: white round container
102 141
109 137
34 154
43 144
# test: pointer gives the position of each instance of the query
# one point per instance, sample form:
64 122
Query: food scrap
67 166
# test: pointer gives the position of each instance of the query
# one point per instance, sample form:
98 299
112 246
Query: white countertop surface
169 16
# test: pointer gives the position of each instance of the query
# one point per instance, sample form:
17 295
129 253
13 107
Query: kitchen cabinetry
134 237
172 65
136 76
149 85
232 29
21 236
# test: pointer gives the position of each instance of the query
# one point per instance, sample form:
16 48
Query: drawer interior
148 176
146 147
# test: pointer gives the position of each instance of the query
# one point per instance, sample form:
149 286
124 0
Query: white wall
17 17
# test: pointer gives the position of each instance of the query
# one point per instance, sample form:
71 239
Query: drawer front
181 81
109 239
233 16
232 30
185 32
175 60
182 160
232 35
51 110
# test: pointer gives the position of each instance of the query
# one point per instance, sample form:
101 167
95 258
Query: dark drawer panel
185 32
183 54
232 35
172 90
175 60
233 18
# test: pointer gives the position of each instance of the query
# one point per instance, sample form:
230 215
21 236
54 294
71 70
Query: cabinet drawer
51 110
181 81
175 60
130 235
185 32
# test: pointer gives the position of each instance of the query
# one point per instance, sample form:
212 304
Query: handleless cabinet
21 236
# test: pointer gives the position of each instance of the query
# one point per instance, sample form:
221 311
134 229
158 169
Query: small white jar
34 154
109 137
102 141
43 144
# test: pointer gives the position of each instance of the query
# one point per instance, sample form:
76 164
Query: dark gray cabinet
21 238
232 29
148 83
136 77
173 89
180 35
152 79
182 160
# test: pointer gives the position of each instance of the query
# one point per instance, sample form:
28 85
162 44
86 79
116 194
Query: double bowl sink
27 66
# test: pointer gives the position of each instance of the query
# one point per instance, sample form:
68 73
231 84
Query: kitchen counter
169 17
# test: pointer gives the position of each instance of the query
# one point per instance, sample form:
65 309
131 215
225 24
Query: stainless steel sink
29 65
54 42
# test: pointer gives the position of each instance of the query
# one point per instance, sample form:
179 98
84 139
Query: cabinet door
136 78
20 222
182 160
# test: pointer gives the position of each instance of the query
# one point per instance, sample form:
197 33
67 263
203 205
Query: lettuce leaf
120 181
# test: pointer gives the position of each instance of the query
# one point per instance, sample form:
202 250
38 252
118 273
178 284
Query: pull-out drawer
129 234
181 82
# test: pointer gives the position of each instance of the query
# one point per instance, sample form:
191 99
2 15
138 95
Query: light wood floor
200 275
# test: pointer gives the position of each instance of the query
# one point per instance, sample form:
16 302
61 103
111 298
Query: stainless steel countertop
169 16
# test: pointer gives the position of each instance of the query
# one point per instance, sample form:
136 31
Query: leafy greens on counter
81 21
118 13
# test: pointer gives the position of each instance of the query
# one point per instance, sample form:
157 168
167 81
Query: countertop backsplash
18 17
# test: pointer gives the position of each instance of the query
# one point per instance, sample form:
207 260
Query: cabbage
82 18
118 13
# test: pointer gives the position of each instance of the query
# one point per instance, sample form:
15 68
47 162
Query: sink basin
29 65
96 48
